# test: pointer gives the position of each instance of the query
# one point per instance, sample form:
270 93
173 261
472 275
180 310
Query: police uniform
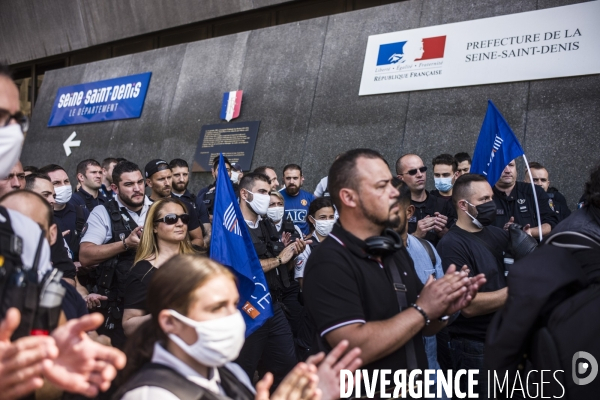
110 278
271 347
72 218
83 199
558 203
190 201
520 204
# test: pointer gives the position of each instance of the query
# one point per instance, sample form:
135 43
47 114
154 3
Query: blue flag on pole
231 245
496 147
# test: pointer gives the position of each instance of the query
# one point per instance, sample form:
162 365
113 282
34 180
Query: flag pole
537 207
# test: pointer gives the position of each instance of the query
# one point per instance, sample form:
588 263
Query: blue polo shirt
296 208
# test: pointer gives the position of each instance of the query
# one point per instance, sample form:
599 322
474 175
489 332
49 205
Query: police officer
89 175
515 203
179 189
159 179
433 215
557 201
110 241
271 347
206 195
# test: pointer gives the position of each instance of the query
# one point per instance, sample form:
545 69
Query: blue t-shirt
296 207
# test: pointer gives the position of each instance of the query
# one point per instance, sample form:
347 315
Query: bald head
411 170
33 206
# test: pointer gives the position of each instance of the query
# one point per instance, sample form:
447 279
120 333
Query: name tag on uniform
499 211
413 219
523 209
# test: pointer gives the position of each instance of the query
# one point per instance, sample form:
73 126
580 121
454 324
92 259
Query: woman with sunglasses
185 348
164 235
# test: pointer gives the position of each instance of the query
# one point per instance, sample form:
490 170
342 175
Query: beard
391 221
180 187
130 202
292 190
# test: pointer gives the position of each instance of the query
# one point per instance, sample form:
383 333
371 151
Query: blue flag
496 147
231 245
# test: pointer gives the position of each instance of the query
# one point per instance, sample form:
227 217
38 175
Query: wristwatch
125 245
279 259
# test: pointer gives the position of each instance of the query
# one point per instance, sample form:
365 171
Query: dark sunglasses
413 172
6 117
171 219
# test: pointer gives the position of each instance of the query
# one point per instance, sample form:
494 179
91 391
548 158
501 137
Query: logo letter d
591 362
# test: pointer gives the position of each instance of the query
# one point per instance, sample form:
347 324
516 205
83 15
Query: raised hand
83 366
329 367
299 384
22 361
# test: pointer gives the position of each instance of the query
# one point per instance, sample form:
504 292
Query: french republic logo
230 221
411 51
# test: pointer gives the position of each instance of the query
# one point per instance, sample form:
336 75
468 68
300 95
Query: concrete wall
66 25
301 80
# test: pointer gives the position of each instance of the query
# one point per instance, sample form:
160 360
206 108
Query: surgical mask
324 227
11 141
443 184
219 340
275 213
63 194
486 214
259 203
235 176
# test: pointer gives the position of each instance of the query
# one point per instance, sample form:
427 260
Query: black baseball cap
154 166
237 167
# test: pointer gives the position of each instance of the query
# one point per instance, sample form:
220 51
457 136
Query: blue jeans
430 343
468 354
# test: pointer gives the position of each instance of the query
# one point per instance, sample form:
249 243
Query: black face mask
486 214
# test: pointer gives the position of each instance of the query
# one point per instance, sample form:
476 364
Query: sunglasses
19 117
413 172
171 219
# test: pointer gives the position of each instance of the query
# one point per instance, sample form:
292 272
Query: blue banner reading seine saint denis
108 100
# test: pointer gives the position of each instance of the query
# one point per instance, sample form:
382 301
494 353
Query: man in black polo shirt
89 175
159 178
349 284
479 245
556 200
270 347
433 216
181 179
515 203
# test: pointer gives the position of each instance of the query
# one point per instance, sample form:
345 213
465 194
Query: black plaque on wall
236 141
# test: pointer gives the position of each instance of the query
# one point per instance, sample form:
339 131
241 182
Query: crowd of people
114 279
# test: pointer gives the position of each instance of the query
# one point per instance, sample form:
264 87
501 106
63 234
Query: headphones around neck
384 245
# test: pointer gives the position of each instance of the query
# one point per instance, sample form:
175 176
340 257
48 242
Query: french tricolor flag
232 102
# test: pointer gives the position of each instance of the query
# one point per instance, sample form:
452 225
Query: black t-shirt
136 287
457 247
521 205
343 286
59 256
428 208
437 193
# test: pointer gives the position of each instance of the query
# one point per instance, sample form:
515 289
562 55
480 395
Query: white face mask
259 203
219 340
234 176
63 194
11 141
324 227
275 213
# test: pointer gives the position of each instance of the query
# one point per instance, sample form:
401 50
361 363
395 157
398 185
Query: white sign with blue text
551 43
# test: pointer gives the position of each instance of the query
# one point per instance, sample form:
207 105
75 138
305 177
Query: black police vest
164 377
266 242
112 273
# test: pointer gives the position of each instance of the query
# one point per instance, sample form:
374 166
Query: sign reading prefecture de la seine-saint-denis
108 100
550 43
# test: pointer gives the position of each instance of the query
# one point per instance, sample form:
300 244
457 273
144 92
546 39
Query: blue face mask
443 184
